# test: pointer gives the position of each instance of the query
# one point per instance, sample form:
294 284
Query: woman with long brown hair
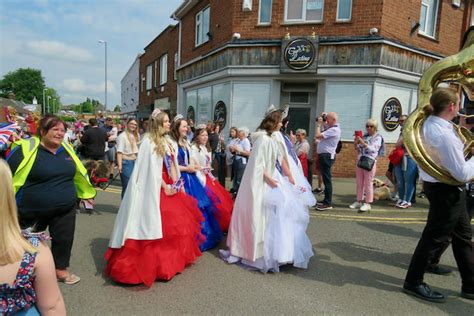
192 186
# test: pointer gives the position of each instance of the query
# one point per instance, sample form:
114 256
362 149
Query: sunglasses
367 126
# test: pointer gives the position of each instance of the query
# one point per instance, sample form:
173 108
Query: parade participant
328 142
111 150
268 223
48 178
368 148
127 150
192 186
28 283
447 217
218 194
156 235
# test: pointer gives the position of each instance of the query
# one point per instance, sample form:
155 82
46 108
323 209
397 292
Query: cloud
58 50
77 85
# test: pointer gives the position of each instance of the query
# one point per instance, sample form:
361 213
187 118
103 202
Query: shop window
299 97
265 12
428 17
304 10
149 75
163 69
202 26
344 10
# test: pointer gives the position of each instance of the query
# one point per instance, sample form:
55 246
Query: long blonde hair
12 243
156 132
134 133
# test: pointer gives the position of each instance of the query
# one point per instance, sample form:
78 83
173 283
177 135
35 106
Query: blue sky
60 37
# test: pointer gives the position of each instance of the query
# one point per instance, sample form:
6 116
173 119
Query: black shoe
424 292
323 207
436 269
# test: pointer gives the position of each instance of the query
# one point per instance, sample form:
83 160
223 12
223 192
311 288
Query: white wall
249 103
130 88
382 92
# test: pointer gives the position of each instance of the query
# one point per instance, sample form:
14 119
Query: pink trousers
364 180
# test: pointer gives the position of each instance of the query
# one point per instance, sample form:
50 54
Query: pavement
358 269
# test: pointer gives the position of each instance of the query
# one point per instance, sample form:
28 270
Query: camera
324 116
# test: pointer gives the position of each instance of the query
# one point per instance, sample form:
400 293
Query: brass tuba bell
458 68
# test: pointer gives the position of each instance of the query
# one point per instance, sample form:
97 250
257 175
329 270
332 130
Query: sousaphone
459 69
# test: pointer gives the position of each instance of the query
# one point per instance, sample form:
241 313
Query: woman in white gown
267 228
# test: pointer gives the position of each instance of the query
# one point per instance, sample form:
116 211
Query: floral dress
20 297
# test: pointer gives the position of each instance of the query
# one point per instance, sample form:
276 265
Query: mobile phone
87 205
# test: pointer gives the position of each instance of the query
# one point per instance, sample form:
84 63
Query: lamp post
49 98
105 45
44 101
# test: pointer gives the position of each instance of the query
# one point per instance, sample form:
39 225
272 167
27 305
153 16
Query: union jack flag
7 131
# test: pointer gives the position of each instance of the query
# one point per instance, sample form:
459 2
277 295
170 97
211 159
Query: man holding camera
328 140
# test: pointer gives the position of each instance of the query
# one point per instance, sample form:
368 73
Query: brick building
359 58
157 73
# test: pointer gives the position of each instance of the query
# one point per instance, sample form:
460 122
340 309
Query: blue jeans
239 168
325 166
406 179
127 168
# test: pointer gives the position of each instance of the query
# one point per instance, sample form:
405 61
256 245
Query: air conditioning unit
247 5
456 3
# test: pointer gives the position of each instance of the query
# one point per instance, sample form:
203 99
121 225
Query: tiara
270 110
201 126
155 113
284 111
178 117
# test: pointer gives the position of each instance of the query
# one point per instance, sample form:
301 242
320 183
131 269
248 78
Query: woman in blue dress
188 167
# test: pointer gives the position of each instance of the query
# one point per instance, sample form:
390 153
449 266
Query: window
265 12
202 26
299 97
149 75
344 10
163 69
428 17
156 74
304 10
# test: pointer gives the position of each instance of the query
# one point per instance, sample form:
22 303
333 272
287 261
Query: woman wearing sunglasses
369 147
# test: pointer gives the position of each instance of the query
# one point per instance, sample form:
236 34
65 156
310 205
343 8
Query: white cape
247 227
139 215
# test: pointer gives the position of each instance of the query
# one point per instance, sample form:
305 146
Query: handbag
396 156
366 163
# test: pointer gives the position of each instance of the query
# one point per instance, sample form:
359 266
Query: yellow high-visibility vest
29 148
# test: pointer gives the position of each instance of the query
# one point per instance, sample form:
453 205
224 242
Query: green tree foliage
25 83
88 106
117 108
52 100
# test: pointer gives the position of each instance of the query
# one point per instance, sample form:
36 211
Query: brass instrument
458 68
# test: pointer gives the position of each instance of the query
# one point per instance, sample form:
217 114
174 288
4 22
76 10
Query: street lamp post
105 45
44 101
49 98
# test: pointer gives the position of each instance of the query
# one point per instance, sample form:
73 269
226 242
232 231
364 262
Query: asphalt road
359 265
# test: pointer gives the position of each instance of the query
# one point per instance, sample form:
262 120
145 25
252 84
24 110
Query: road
359 265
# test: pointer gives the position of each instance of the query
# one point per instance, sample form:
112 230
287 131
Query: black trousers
221 168
325 166
61 229
447 219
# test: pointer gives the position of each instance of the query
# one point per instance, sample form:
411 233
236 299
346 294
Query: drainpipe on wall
178 89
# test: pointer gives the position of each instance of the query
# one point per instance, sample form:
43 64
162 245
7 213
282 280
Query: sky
60 37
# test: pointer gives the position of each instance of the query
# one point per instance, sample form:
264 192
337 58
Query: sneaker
364 208
399 202
323 207
355 205
405 205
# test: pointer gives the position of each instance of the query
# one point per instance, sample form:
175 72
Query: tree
25 83
117 108
52 100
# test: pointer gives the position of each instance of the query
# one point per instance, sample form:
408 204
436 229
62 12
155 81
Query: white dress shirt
446 149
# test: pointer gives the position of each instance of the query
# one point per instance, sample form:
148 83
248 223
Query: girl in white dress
268 223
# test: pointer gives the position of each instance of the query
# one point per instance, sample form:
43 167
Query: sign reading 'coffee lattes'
299 54
391 112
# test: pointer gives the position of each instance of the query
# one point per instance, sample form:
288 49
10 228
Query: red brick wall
449 30
346 161
165 43
220 27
